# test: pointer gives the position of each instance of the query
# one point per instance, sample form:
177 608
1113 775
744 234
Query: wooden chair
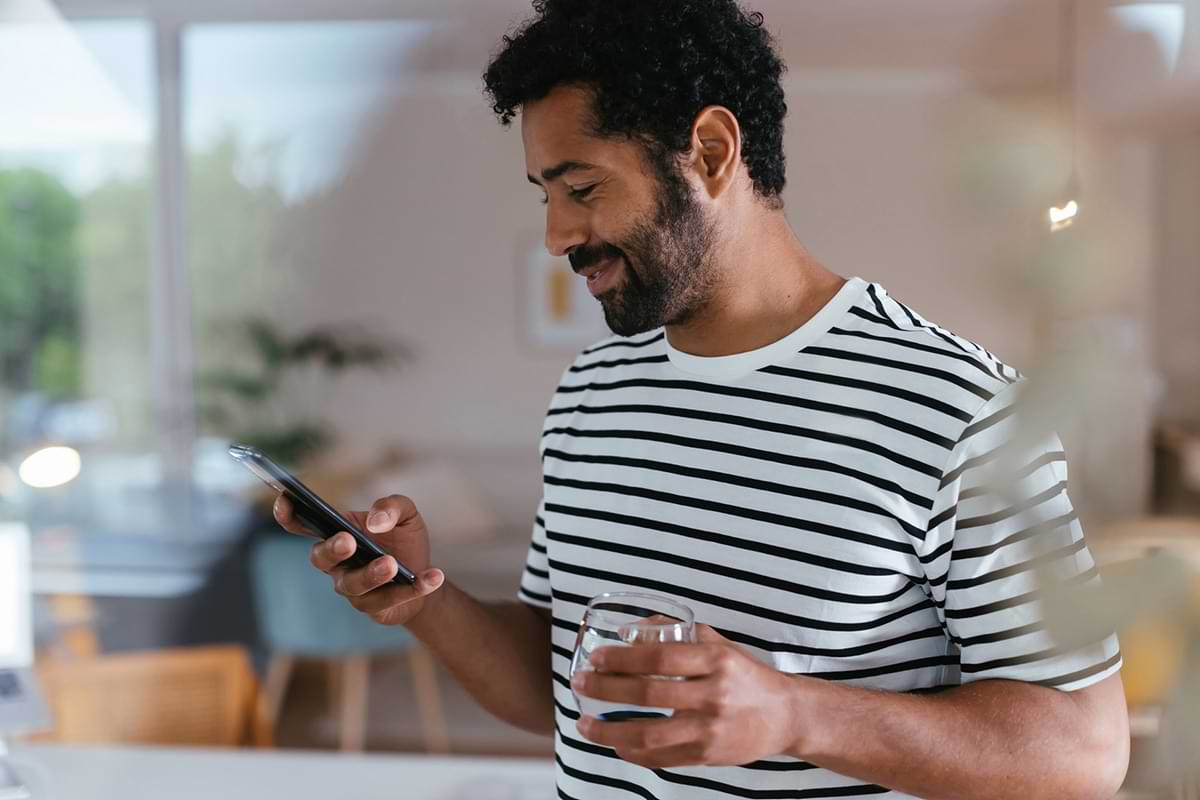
200 696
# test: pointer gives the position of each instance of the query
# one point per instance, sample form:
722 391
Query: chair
198 696
301 617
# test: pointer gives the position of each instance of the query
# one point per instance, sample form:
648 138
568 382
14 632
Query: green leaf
267 342
338 350
247 388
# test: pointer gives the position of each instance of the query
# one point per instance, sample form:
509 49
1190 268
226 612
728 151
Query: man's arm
499 652
983 741
986 740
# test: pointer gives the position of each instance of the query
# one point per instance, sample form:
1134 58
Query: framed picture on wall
559 312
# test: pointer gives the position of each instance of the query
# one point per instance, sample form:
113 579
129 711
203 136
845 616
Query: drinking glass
625 619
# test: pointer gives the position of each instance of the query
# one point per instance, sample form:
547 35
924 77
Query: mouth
601 276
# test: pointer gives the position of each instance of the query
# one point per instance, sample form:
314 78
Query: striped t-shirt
821 502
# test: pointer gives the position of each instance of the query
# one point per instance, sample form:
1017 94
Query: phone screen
257 468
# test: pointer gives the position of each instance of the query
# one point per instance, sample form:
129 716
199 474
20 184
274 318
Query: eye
582 192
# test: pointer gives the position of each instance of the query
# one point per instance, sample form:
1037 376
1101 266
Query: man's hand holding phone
396 526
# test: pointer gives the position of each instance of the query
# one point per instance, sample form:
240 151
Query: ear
716 149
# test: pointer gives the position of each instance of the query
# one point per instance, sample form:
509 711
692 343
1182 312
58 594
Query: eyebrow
560 169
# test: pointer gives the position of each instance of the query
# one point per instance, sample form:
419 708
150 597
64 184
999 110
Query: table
133 773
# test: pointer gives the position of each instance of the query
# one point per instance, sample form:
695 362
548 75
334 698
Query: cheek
607 227
621 232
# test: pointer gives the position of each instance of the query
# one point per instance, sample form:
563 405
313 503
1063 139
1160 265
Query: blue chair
300 616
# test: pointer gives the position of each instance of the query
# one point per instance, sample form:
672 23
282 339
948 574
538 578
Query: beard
669 268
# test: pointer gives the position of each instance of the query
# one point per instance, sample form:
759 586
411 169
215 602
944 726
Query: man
799 458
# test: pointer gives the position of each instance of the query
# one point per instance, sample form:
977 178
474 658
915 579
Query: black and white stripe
826 502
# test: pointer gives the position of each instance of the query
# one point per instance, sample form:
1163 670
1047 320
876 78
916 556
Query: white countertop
57 772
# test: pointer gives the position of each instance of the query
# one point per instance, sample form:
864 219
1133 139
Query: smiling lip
600 276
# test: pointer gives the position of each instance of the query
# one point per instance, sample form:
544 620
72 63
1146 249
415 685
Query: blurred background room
297 223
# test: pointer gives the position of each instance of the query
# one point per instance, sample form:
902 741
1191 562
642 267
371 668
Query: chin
625 327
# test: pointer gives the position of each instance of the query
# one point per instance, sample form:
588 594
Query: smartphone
317 515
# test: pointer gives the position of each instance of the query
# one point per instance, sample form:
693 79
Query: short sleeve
1001 519
535 580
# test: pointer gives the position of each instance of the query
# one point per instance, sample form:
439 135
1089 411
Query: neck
768 286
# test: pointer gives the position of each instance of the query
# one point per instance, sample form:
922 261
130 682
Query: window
274 114
76 216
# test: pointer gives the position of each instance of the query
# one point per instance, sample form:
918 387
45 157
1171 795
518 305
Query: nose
566 228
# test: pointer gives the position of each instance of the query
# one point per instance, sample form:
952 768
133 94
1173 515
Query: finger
641 691
392 595
708 635
690 754
390 512
643 734
282 511
686 660
327 554
355 582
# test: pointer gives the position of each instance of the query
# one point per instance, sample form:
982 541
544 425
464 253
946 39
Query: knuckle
716 703
344 583
709 733
653 738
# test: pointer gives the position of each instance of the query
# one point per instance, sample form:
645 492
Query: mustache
584 256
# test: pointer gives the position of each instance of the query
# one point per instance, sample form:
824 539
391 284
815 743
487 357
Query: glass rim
685 617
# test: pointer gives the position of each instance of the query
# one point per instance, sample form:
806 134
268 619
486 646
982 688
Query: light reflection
50 466
1163 21
1063 217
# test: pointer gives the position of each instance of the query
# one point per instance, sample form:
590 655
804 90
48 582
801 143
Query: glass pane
76 194
272 116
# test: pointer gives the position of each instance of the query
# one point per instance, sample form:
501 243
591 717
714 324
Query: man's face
639 237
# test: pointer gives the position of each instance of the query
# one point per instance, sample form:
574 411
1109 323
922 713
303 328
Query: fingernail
378 521
434 578
381 568
341 545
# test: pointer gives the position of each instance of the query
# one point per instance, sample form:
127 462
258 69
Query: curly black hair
650 67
